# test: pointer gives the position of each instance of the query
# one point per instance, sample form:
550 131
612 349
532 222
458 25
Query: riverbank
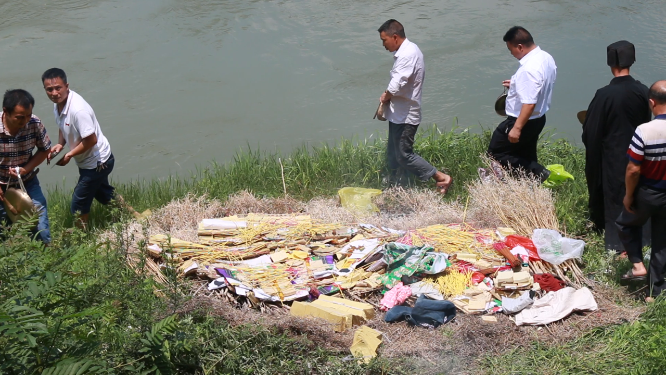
322 170
84 304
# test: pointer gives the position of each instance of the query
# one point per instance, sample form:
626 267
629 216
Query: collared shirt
532 84
16 150
406 82
648 148
77 121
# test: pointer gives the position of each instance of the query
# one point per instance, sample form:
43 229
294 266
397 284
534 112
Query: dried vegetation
457 343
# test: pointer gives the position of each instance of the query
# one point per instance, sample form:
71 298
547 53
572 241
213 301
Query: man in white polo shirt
514 142
404 110
88 146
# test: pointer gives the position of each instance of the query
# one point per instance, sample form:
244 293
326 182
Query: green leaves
76 367
22 323
156 347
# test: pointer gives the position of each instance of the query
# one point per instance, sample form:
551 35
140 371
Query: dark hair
392 27
54 73
15 98
658 92
518 35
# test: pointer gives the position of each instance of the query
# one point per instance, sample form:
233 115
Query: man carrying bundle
403 111
612 117
87 145
514 141
645 196
20 133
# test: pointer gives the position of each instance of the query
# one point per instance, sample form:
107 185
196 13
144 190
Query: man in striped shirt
646 195
21 133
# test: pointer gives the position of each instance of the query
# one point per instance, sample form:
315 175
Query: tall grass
308 172
322 170
77 308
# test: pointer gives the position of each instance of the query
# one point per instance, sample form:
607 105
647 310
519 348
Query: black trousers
604 210
648 204
521 155
400 152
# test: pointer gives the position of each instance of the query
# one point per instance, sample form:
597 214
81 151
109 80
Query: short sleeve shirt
16 150
648 148
532 84
77 121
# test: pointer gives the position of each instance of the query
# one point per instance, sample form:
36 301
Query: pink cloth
396 296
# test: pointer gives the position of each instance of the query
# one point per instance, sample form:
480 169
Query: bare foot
443 181
638 271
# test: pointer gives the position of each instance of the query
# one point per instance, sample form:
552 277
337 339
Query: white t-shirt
407 77
532 84
78 121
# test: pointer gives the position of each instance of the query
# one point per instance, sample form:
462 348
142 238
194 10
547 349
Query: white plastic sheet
555 249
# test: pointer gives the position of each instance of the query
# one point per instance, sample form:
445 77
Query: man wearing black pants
514 142
645 196
522 155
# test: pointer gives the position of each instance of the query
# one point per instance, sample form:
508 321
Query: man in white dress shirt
404 110
514 142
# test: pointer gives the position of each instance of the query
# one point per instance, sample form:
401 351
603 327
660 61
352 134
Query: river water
179 84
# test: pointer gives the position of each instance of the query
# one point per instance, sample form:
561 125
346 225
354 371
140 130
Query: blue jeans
425 313
43 230
93 184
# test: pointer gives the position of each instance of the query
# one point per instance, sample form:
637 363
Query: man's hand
506 83
386 97
628 201
22 171
514 135
55 150
65 159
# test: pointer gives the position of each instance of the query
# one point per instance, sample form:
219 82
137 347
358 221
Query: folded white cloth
557 305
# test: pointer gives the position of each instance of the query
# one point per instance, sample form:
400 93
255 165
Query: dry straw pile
521 203
518 203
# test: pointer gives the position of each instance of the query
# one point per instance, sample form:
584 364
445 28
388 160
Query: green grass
128 311
634 348
77 306
322 170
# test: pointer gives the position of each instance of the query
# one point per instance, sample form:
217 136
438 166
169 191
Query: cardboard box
342 313
364 309
339 320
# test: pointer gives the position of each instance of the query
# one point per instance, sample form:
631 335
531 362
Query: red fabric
464 267
477 277
499 246
548 282
515 240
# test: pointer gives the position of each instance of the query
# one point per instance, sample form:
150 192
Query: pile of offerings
336 272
